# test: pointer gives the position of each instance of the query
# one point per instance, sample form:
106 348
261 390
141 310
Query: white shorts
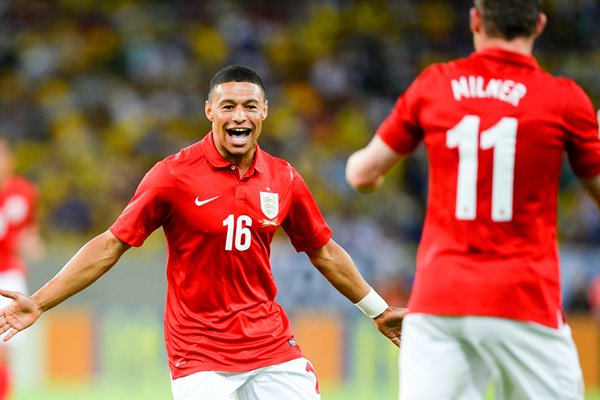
456 357
291 380
16 282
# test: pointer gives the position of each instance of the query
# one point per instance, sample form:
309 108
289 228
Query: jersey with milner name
495 127
18 201
220 311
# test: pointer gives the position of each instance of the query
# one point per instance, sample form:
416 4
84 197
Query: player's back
496 127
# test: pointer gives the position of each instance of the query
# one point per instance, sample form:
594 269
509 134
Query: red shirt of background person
219 203
18 202
496 128
19 236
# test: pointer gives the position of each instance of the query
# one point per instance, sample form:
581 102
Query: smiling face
236 110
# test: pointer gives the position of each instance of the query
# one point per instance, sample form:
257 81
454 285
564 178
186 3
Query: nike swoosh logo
203 202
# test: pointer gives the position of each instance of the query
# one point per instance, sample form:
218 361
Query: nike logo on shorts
203 202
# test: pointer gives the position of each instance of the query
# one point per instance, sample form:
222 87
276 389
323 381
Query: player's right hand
21 313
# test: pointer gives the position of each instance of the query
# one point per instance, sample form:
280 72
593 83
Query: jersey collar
507 56
217 161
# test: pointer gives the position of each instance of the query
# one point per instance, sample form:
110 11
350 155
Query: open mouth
239 135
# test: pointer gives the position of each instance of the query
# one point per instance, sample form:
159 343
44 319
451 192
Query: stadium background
95 92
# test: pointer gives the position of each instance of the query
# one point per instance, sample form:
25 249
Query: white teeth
239 135
239 130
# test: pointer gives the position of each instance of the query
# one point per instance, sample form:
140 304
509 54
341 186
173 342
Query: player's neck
243 170
243 163
518 45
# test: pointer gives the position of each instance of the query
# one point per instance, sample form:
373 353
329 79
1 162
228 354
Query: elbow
361 182
365 187
361 175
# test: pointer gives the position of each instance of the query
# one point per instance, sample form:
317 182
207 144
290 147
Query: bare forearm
90 263
337 267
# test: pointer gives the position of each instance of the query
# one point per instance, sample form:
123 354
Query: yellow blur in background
95 92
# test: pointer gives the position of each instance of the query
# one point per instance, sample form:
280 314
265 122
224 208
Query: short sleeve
401 129
147 210
583 146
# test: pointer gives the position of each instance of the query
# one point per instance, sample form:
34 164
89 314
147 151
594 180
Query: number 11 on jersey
502 138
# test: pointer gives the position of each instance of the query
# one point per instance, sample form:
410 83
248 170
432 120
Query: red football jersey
18 202
495 127
221 312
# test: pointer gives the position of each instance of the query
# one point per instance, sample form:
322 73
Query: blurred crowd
95 92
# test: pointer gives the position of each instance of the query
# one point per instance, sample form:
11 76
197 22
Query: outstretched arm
93 260
366 167
336 265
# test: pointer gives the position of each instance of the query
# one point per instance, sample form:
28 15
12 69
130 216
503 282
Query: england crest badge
269 204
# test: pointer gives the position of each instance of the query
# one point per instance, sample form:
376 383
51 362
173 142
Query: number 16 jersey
221 313
495 127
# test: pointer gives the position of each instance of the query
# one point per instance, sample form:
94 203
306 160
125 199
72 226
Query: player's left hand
389 323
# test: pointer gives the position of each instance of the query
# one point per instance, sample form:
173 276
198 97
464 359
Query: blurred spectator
19 240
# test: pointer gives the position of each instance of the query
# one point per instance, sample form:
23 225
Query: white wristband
372 304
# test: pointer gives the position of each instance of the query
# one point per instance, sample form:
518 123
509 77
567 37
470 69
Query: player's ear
541 24
208 110
475 20
265 110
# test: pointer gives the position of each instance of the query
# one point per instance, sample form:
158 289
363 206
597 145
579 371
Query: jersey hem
175 374
553 323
